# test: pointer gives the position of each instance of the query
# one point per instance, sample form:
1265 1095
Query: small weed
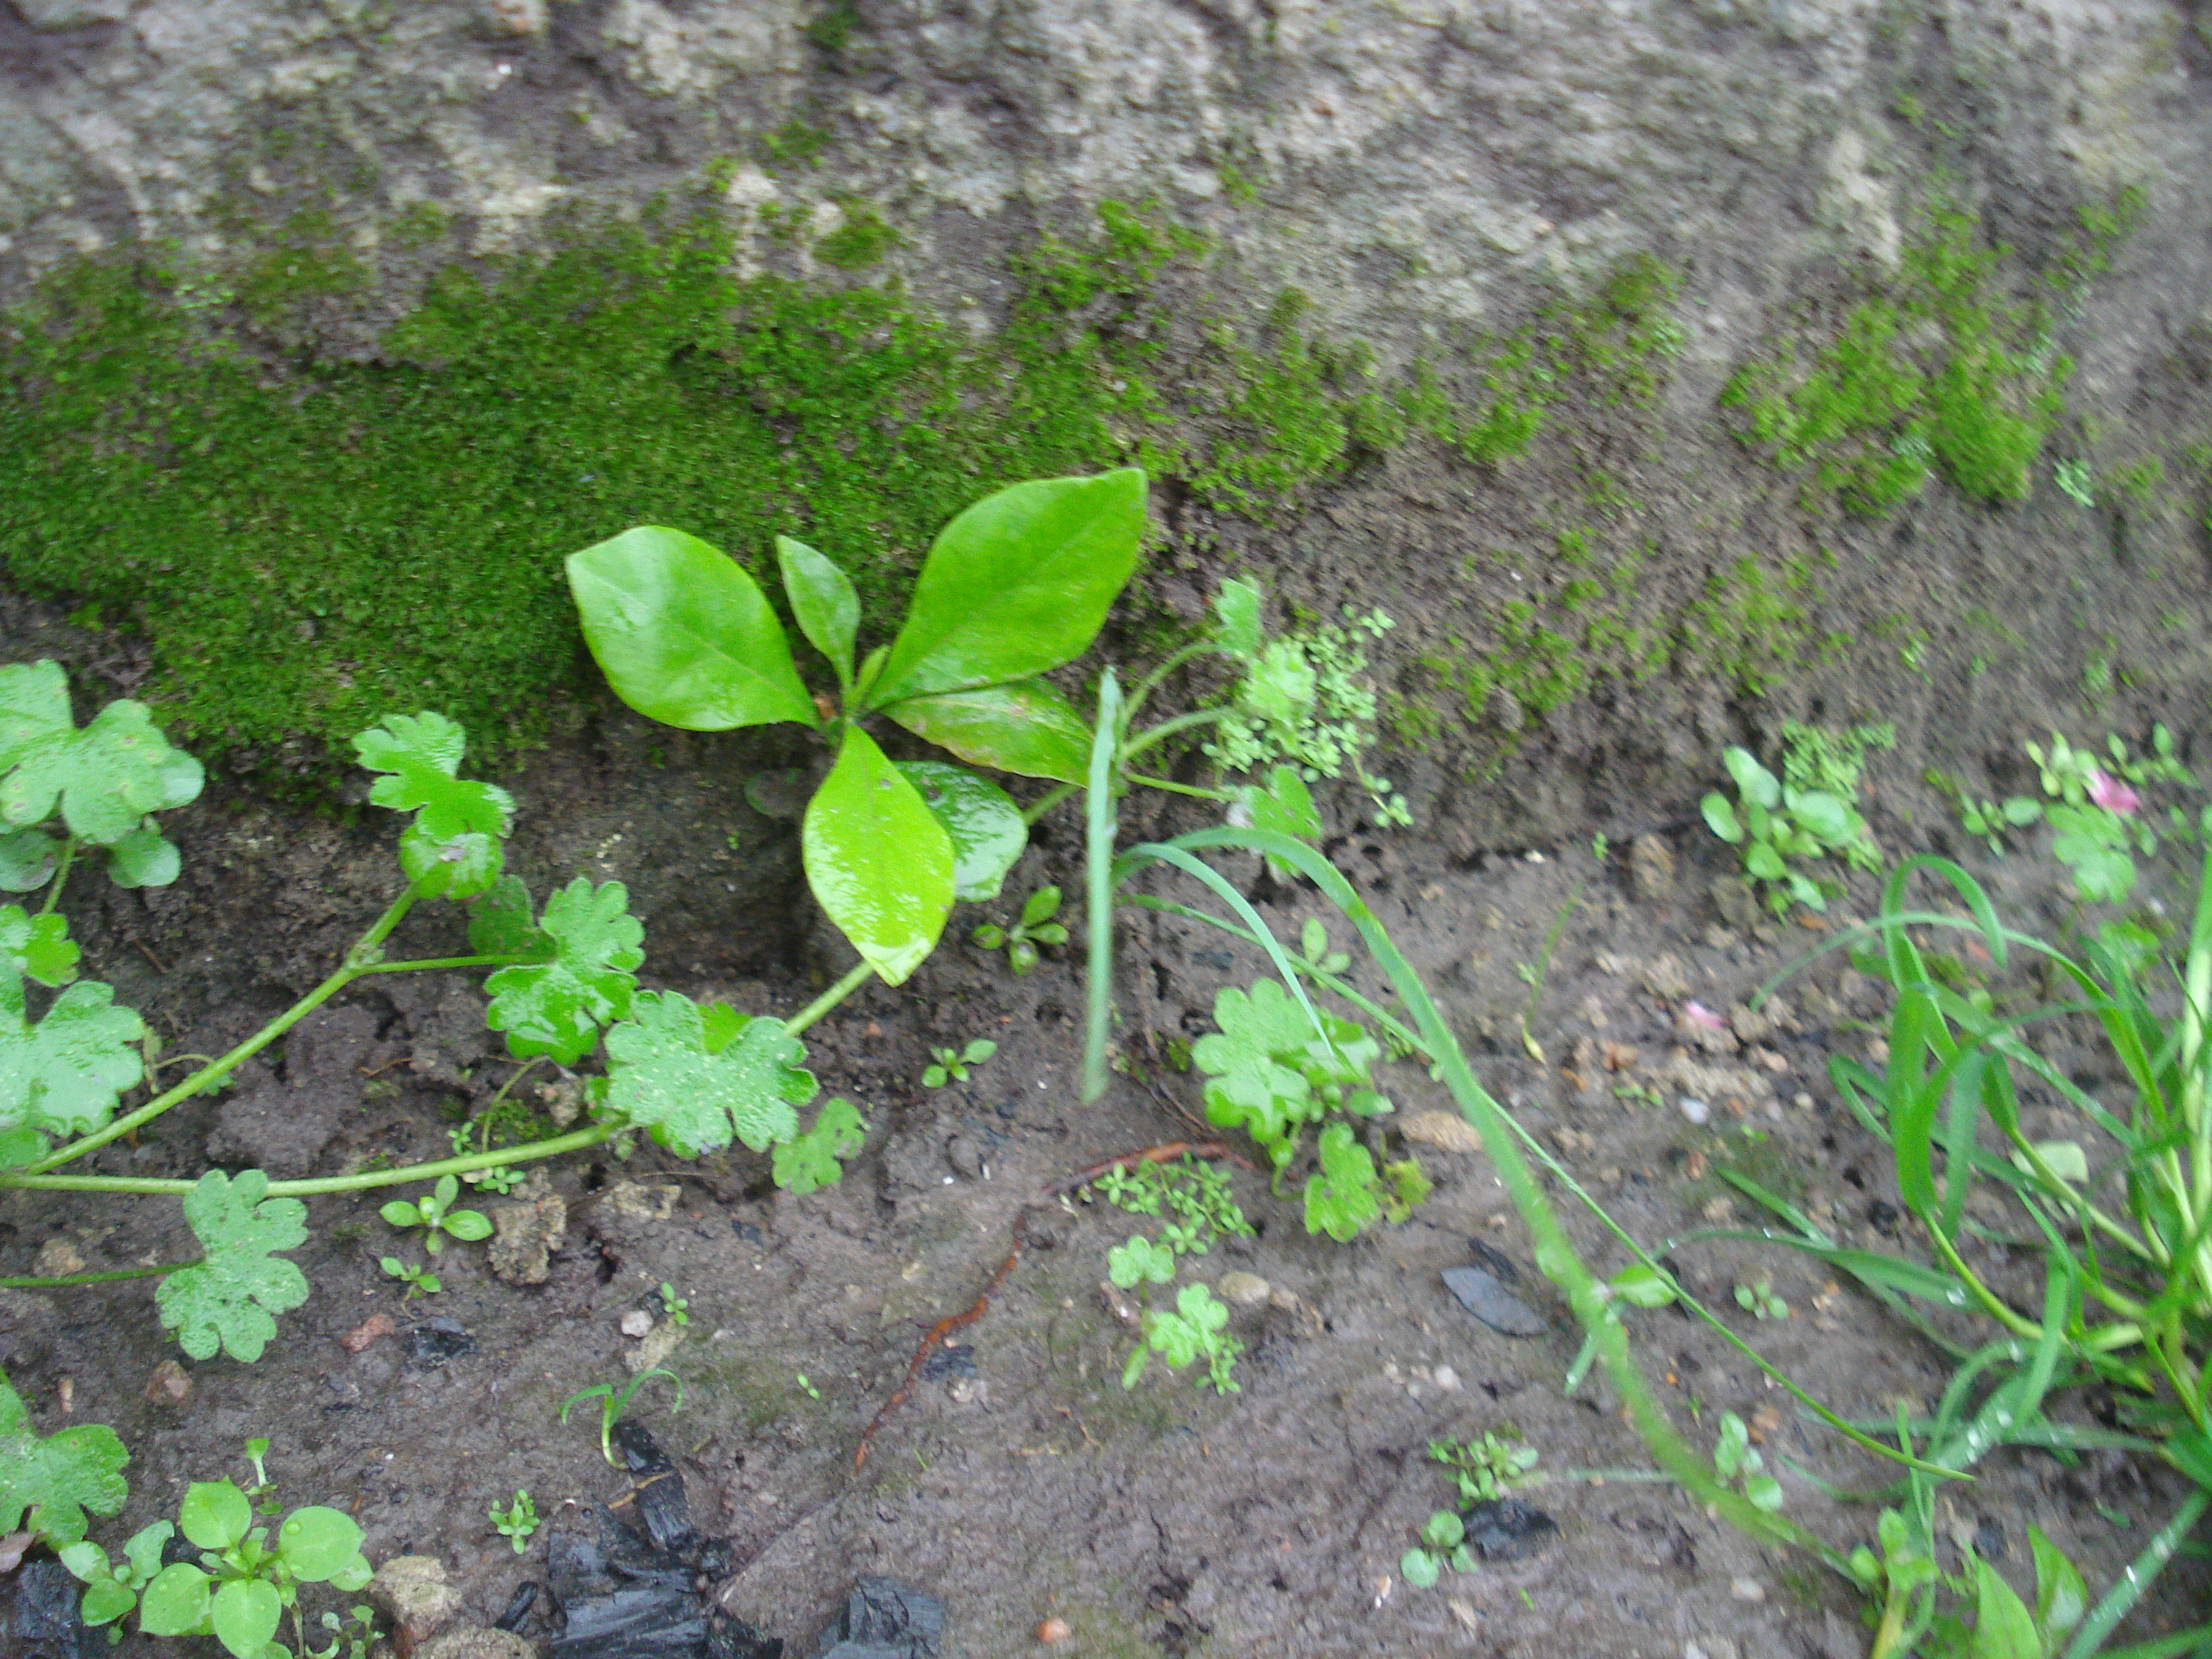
614 1402
1734 1459
434 1214
950 1065
1757 1297
811 1391
419 1281
1034 927
1488 1467
1809 812
1196 1329
518 1521
678 1309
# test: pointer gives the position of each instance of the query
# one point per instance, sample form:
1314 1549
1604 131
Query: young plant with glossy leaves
245 1578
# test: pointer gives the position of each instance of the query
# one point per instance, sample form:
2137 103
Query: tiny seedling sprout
518 1521
950 1065
614 1402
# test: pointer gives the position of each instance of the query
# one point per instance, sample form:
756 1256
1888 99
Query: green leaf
1341 1199
1444 1531
1826 815
1286 806
1040 907
1417 1568
227 1301
106 778
106 1601
2003 1627
214 1514
62 1076
1139 1261
400 1213
823 603
1267 1062
27 859
244 1616
1019 583
38 947
879 861
683 635
2061 1597
2021 810
1236 627
453 846
1641 1286
1752 781
663 1077
556 1007
1025 727
58 1479
317 1543
144 858
144 1549
502 924
1761 859
468 1225
985 825
176 1602
815 1158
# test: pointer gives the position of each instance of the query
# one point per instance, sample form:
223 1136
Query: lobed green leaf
227 1301
691 1095
105 779
556 1007
56 1480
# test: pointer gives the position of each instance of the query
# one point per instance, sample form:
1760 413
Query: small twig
938 1333
381 1070
1159 1154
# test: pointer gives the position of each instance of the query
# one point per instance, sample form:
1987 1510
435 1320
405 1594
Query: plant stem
34 1283
853 979
1099 825
61 875
1175 788
574 1141
1152 682
2134 1578
1158 734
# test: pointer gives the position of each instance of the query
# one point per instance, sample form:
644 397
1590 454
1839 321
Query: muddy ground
1021 1481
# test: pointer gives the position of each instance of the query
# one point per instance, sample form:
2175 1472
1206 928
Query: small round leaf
317 1543
244 1615
214 1514
176 1602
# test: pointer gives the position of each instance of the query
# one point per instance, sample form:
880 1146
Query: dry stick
1066 1184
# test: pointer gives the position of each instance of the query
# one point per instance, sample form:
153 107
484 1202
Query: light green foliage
112 1588
433 1212
2072 477
62 1076
518 1521
1196 1329
1756 1297
1193 1194
1140 1261
1271 1071
1813 758
1341 1200
37 947
676 1309
1735 1460
246 1579
453 847
1918 1604
614 1400
1442 1545
556 1008
107 782
1779 824
353 1636
693 1078
1305 700
950 1065
419 1280
817 1158
1034 926
47 1485
1939 369
2092 805
227 1299
1487 1467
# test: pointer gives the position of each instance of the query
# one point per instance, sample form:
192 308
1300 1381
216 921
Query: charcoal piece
949 1360
435 1341
639 1623
883 1618
666 1514
1482 1293
45 1624
733 1638
1506 1529
641 1452
518 1605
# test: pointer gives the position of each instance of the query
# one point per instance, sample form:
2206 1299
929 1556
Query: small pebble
1747 1589
1054 1629
1803 1102
1243 1290
1696 1110
637 1322
1445 1378
169 1385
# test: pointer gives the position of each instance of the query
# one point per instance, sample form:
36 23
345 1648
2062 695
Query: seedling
419 1281
950 1065
1757 1297
1442 1545
614 1402
1776 823
1485 1468
1197 1329
353 1637
817 1158
111 1589
435 1215
1034 927
1734 1459
1196 1195
678 1309
1140 1261
812 1392
518 1521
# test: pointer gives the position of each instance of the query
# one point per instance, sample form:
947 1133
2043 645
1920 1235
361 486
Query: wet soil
1021 1481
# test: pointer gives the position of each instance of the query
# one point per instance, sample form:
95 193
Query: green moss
796 143
831 30
862 240
1235 183
311 260
419 224
1938 369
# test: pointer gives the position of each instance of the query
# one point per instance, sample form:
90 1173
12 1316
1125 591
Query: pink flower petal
1698 1014
2113 795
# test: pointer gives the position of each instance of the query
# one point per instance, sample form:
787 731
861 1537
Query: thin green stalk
32 1282
1153 681
1045 803
362 1181
1153 736
1099 825
2134 1578
61 875
1175 788
440 963
853 979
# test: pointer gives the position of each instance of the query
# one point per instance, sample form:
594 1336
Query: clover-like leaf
814 1160
558 1007
38 947
667 1075
1271 1070
214 1514
55 1481
144 858
452 845
28 859
62 1076
227 1301
1341 1199
105 779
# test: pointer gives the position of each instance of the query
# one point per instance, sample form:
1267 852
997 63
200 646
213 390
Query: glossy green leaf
1025 727
244 1614
2061 1597
2003 1627
1016 584
879 862
56 1480
106 1601
28 859
106 778
1236 627
228 1300
557 1008
683 635
664 1076
501 923
38 947
144 858
214 1514
452 847
1040 907
176 1602
823 602
62 1076
317 1543
986 826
